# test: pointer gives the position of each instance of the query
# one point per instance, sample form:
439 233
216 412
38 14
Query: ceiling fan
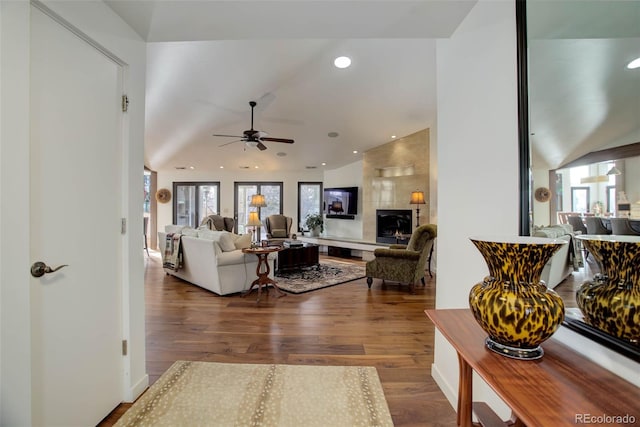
254 137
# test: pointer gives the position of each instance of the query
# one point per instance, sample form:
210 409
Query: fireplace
390 223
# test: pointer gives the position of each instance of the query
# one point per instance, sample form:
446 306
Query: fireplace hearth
392 223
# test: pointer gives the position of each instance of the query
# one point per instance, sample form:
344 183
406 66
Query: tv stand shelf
346 243
563 388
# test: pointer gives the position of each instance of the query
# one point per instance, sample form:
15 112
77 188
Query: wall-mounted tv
340 202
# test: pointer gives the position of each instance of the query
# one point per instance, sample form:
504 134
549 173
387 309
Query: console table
562 388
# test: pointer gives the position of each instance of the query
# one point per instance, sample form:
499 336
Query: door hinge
123 226
124 347
125 103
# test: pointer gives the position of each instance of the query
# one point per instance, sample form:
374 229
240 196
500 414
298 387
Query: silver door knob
39 269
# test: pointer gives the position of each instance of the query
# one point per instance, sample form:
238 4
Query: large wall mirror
579 116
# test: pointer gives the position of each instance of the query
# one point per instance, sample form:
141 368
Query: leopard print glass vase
512 304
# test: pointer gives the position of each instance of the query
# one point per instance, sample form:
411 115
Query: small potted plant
315 224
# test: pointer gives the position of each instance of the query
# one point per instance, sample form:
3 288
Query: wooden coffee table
263 279
297 257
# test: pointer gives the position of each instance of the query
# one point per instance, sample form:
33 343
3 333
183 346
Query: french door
272 192
194 201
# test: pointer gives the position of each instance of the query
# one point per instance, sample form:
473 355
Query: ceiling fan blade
286 141
227 143
228 136
261 146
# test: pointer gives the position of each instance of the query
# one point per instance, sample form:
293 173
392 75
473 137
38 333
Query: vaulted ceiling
208 59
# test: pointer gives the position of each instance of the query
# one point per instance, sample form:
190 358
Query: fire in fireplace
391 224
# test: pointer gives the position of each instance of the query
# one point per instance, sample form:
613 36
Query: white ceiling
208 59
582 97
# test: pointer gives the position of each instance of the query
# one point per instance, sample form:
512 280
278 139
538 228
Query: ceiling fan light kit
254 138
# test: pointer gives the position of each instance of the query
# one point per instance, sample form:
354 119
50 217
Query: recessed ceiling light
342 61
393 137
324 163
256 167
221 167
355 151
192 167
333 134
634 64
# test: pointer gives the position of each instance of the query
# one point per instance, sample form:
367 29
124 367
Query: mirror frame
526 181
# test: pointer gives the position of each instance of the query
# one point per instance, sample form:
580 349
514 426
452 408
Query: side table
263 279
563 388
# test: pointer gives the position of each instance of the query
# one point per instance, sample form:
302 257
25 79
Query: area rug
327 273
231 394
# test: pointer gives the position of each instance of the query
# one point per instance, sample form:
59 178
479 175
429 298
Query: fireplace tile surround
390 173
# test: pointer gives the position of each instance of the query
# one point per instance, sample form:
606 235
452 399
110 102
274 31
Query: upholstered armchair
278 227
219 223
403 263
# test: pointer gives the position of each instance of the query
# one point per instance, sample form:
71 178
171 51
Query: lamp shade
417 198
254 220
257 201
614 171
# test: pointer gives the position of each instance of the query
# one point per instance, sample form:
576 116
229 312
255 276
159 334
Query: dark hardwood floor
568 287
346 324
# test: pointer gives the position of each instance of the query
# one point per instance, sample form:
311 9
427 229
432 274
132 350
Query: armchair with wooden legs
403 263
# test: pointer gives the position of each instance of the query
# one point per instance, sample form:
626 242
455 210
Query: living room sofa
214 260
566 260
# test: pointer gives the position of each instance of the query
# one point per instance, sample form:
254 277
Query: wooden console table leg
465 394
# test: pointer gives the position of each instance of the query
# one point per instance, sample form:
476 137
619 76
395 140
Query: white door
76 164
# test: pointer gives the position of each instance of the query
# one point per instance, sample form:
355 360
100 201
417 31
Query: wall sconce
417 198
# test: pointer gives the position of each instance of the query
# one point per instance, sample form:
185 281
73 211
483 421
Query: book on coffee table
292 243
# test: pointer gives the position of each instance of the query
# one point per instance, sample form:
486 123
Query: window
309 201
611 198
272 192
193 201
580 199
147 193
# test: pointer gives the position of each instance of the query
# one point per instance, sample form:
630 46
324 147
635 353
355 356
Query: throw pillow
279 232
223 238
243 241
171 228
188 231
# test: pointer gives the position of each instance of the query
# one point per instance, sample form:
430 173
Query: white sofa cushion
243 241
234 257
223 238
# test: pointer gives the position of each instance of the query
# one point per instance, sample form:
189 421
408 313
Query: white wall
290 180
346 176
632 179
478 176
477 162
541 213
100 23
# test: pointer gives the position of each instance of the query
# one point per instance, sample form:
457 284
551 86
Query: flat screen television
340 202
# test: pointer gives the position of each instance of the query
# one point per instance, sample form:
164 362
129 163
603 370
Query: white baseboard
134 392
451 393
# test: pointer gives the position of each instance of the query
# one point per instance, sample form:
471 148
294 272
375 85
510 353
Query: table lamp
417 198
254 221
257 201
